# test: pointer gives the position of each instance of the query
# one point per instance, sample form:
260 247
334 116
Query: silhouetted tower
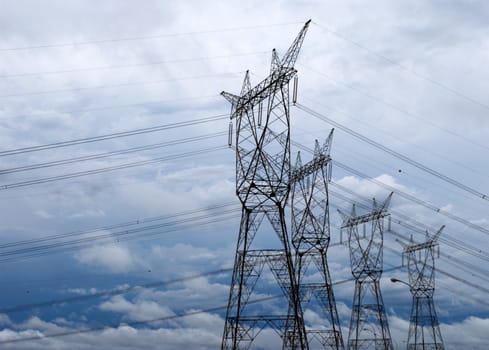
262 122
368 325
310 237
424 330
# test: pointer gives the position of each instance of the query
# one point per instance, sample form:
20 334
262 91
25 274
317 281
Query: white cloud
391 105
82 291
4 319
44 214
90 213
203 331
138 311
120 338
470 333
113 257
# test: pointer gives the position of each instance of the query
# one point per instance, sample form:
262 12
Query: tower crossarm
291 55
310 167
282 72
424 329
232 98
356 220
321 159
415 247
429 243
260 92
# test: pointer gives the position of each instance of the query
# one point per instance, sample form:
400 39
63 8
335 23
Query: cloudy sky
151 216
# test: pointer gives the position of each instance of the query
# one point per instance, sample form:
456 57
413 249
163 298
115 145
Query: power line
34 93
458 279
125 290
404 68
114 135
110 293
451 241
114 226
109 154
125 236
137 104
448 240
458 292
108 169
133 323
165 318
413 199
133 65
112 235
470 268
455 262
337 195
403 194
448 274
394 153
395 107
116 235
146 37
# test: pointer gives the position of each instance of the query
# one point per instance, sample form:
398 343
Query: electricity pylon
261 114
368 325
424 330
311 237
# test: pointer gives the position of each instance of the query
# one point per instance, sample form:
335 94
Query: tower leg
368 325
246 272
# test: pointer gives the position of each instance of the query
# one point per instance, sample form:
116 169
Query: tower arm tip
288 61
232 98
438 233
387 201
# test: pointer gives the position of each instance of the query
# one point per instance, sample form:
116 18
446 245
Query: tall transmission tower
262 122
424 330
368 325
311 237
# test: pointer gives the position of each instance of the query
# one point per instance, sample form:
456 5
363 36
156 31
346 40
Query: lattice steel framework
261 114
369 328
424 330
311 237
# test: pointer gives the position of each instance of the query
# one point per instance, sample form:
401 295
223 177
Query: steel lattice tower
368 325
262 139
424 330
311 237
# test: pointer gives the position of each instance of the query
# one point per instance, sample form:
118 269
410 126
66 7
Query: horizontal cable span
130 65
110 154
145 37
110 293
115 135
113 226
107 169
46 92
394 153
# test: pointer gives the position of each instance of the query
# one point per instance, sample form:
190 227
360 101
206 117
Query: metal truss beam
261 115
311 237
369 328
424 329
